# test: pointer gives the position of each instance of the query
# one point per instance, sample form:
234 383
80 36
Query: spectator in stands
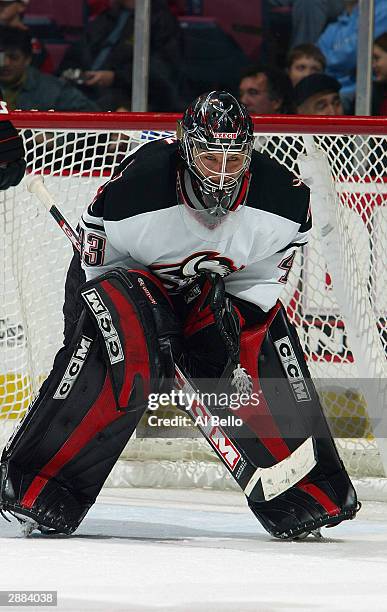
304 60
309 17
104 56
26 88
11 15
318 94
338 43
11 12
266 90
379 65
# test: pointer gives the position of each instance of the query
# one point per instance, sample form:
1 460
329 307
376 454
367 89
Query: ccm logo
105 324
73 369
292 369
217 437
230 136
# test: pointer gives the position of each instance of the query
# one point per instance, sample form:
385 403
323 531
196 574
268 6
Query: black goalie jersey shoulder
276 190
144 182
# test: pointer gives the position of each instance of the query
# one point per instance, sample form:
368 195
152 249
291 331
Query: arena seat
56 52
69 13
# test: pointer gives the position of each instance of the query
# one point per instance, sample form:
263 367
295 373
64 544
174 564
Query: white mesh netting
35 256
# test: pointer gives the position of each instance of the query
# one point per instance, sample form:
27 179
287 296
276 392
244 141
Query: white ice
141 550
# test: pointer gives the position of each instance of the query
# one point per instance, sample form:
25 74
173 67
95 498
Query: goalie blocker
56 463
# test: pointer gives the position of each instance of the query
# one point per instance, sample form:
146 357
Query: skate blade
315 533
27 525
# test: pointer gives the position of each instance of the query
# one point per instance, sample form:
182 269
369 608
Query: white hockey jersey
137 215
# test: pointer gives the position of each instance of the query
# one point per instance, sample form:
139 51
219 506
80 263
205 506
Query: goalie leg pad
55 465
289 413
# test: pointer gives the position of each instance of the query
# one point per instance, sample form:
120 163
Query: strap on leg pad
88 407
290 412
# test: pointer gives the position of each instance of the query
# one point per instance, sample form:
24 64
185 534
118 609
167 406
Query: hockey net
77 153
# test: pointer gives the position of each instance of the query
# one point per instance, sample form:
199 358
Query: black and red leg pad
288 413
55 465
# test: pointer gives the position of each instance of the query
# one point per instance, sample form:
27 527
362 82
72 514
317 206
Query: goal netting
342 328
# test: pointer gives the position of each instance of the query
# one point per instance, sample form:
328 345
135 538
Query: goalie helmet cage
342 329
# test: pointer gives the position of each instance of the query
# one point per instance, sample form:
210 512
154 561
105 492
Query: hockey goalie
184 253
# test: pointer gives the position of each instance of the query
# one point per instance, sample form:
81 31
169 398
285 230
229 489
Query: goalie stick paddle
259 484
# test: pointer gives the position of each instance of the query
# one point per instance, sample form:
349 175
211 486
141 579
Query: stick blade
272 481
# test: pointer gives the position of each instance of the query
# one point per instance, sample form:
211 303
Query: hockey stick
36 186
259 484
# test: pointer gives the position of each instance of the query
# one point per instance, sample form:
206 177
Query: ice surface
141 550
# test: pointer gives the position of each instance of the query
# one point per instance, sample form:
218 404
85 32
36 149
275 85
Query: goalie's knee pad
56 463
289 412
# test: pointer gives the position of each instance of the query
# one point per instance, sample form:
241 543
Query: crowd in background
309 70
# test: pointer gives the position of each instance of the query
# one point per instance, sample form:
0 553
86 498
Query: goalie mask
216 141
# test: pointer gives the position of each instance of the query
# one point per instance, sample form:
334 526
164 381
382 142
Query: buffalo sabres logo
179 275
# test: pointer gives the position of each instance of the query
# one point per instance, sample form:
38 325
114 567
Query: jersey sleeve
98 253
102 245
263 281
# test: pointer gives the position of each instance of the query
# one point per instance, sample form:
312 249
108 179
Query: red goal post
77 152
